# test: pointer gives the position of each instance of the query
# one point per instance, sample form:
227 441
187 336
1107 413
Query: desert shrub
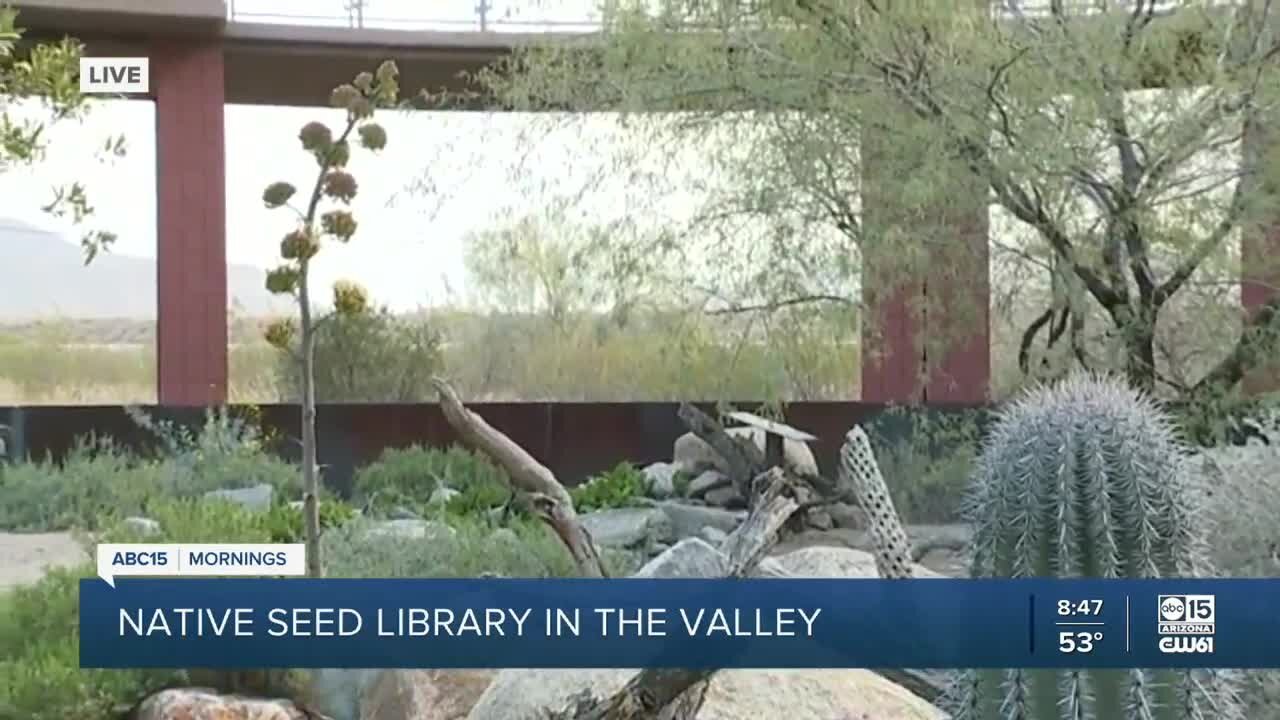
284 522
927 466
527 548
95 484
620 487
406 477
374 356
40 675
228 450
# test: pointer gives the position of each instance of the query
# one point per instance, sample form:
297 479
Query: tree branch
547 496
653 690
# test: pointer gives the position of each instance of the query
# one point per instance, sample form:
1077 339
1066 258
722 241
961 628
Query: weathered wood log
650 693
746 461
545 494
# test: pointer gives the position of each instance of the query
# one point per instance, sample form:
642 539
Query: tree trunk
1140 352
310 473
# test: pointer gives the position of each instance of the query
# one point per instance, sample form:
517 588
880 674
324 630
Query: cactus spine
1088 479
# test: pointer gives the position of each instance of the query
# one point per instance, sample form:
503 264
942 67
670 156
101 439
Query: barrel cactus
1088 478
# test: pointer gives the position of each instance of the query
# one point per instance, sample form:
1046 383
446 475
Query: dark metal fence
573 439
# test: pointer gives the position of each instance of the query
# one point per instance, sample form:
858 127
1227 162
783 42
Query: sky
441 176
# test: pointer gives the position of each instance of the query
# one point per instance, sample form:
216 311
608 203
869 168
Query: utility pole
482 11
355 13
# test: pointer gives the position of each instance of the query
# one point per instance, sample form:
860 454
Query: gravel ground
24 557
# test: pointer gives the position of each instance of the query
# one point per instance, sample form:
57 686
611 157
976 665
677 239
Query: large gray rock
628 527
688 520
661 477
423 694
707 481
694 455
726 497
336 692
200 703
822 561
257 497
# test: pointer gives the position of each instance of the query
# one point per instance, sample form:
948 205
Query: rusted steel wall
191 259
573 439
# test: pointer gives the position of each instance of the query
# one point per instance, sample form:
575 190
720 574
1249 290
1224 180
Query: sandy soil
25 556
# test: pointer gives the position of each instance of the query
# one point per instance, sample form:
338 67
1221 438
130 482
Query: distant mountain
42 275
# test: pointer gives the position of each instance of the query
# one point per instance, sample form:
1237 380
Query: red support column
191 337
926 288
1260 244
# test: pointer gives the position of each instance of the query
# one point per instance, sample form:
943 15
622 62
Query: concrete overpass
205 55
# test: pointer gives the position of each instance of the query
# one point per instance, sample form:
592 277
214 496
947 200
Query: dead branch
546 496
653 690
745 460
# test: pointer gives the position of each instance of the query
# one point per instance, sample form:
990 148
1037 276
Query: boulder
203 704
845 515
731 695
336 692
661 477
726 497
825 561
688 520
693 455
628 527
707 481
423 694
257 498
409 529
713 535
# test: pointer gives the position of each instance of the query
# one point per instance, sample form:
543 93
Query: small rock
688 520
709 480
411 529
844 515
662 479
145 527
726 497
819 519
442 495
627 527
400 512
198 703
424 694
713 535
256 498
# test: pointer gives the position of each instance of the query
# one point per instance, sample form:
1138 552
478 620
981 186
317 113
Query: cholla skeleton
859 471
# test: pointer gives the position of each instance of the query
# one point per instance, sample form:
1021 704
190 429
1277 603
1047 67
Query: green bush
40 675
375 356
620 487
226 451
525 549
96 484
406 477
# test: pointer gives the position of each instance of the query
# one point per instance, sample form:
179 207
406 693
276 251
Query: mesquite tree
359 99
1107 135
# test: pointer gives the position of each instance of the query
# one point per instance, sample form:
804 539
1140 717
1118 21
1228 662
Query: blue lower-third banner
628 623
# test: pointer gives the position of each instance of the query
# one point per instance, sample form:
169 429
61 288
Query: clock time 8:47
1087 608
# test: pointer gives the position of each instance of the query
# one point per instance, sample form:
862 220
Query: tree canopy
1107 137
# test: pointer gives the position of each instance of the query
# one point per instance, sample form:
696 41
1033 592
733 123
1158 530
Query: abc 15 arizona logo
1186 623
